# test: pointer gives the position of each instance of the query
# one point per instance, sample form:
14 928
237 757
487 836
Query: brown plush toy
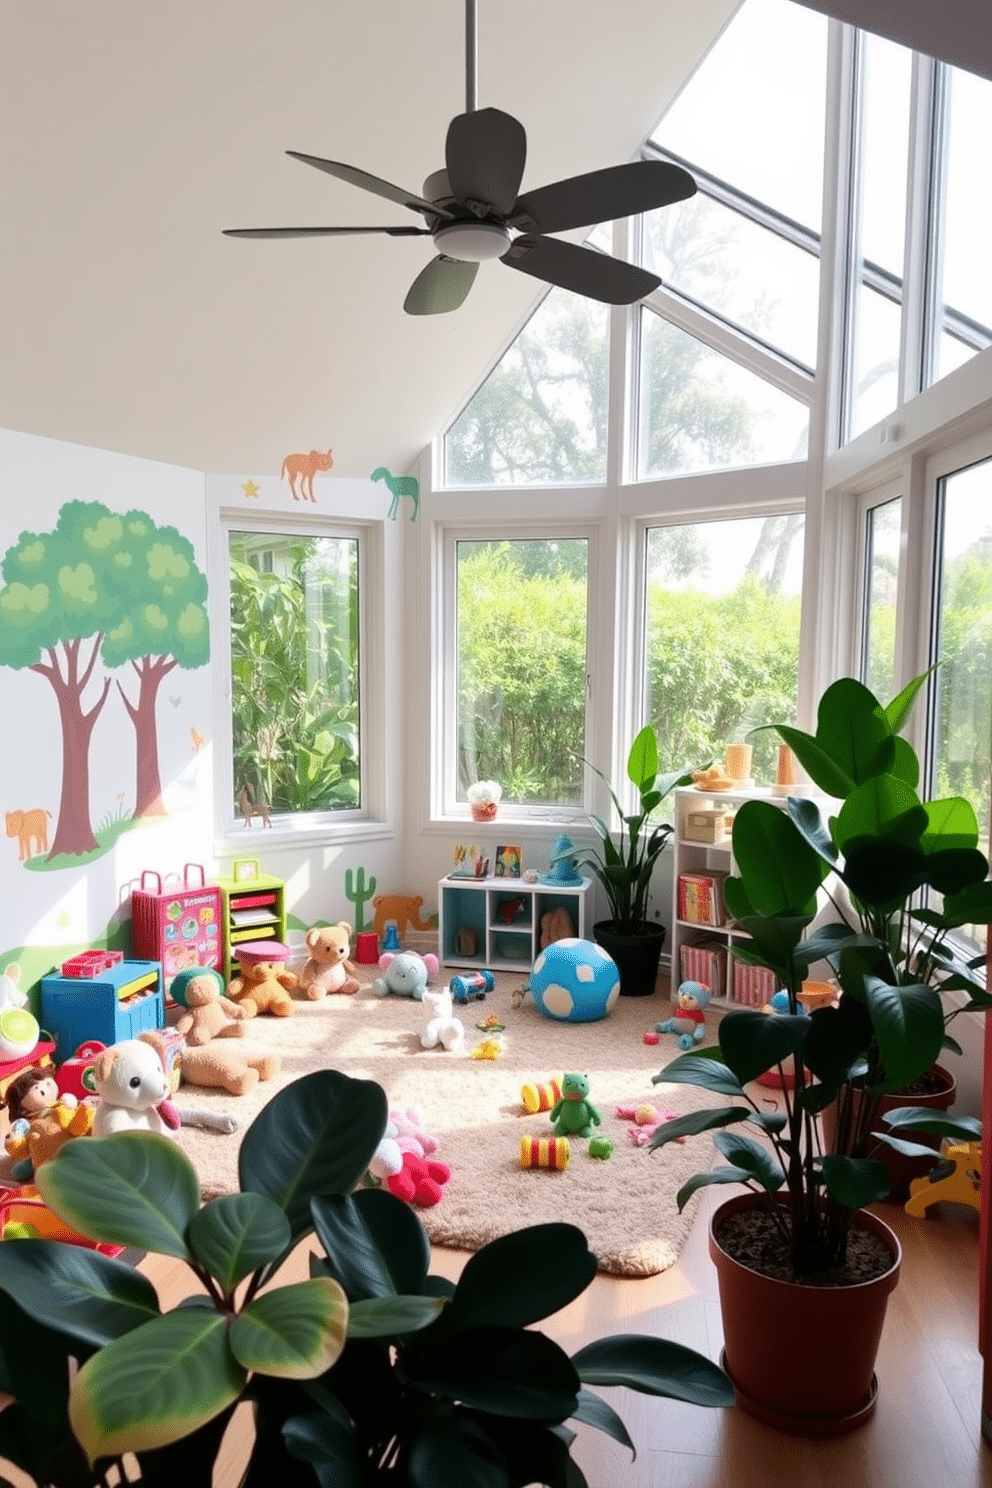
263 980
209 1014
223 1065
329 969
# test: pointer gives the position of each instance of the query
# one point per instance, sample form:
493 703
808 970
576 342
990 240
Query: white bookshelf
501 918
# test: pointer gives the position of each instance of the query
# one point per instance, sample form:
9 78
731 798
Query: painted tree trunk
73 831
148 783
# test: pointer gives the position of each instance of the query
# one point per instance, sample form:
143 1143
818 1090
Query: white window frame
302 827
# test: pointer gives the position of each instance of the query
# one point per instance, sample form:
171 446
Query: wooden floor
926 1429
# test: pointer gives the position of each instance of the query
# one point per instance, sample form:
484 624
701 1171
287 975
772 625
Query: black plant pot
637 956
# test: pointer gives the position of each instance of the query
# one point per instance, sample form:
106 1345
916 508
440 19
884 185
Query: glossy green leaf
156 1383
951 824
642 762
653 1366
376 1245
898 711
506 1371
134 1188
838 1036
753 1042
956 870
708 1179
294 1332
855 1181
77 1291
805 815
313 1138
935 1123
694 1122
883 874
453 1449
885 808
592 1410
751 1158
969 906
905 766
237 1234
705 1070
329 1446
387 1317
909 1027
781 871
853 730
522 1277
774 941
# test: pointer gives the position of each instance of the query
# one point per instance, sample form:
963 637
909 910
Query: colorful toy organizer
118 1003
178 924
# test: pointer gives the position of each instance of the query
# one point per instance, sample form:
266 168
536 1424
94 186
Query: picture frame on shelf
508 862
469 862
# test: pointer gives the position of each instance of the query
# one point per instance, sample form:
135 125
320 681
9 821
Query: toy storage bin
179 924
121 1002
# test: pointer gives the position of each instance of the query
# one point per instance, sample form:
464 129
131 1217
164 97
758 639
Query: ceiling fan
473 212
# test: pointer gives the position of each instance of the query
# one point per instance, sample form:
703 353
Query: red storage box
178 924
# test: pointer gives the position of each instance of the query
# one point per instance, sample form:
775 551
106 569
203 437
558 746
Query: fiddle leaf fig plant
624 868
899 875
368 1370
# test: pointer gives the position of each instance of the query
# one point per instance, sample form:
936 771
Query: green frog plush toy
573 1115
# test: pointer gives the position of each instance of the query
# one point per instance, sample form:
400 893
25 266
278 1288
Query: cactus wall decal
358 893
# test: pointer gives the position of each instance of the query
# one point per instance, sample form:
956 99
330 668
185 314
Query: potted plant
625 867
369 1371
801 1238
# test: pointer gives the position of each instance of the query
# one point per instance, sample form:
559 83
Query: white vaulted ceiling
133 131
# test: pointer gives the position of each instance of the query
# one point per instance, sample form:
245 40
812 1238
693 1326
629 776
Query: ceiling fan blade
602 196
322 232
484 156
441 287
584 271
371 183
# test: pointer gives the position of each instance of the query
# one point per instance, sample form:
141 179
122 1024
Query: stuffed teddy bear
441 1026
41 1120
329 969
689 1018
134 1090
419 1181
221 1065
406 974
209 1014
264 981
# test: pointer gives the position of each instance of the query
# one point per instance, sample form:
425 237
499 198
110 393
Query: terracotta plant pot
637 956
484 813
835 1389
902 1170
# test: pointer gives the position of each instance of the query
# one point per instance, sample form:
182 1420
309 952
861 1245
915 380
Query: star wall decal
250 489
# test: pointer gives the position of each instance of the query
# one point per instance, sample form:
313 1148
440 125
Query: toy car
471 988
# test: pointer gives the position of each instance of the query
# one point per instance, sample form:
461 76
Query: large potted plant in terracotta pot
624 867
798 1255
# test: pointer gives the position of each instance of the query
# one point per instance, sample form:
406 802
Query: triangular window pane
698 410
753 114
540 418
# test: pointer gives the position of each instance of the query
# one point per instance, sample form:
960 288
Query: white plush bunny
441 1026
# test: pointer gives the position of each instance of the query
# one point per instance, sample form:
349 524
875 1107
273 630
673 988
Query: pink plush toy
647 1119
420 1181
410 1133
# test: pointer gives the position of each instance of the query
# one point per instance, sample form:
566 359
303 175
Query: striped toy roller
544 1152
540 1097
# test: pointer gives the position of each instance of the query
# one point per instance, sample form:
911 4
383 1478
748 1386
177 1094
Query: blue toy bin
575 981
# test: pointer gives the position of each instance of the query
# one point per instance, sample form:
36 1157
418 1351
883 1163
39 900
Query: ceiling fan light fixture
472 242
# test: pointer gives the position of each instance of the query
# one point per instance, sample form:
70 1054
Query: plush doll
406 975
209 1014
387 1159
264 981
572 1115
411 1133
441 1026
134 1090
329 969
234 1066
41 1120
420 1180
689 1019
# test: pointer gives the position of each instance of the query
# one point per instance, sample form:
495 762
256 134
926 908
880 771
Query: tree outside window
295 695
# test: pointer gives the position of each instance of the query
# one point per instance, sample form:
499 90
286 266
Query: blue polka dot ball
575 981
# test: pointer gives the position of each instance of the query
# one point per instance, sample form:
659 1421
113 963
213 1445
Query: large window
521 667
883 530
295 693
963 638
722 635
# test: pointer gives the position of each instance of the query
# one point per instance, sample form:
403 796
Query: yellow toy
962 1186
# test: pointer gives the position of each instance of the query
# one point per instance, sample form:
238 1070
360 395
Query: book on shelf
700 897
705 961
241 917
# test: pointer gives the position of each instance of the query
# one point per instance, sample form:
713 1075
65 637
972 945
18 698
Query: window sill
288 834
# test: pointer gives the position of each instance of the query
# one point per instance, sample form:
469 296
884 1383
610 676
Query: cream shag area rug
625 1204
